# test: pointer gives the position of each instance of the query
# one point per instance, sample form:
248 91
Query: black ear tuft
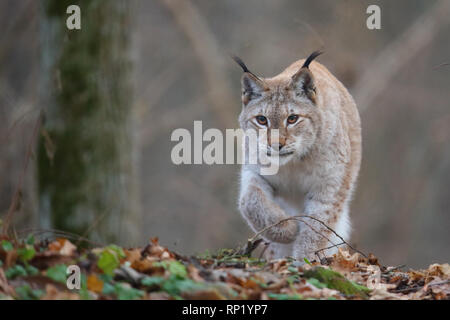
311 57
243 66
252 85
241 63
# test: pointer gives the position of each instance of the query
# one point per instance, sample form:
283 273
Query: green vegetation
322 277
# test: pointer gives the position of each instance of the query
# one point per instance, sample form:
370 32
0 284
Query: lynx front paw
285 232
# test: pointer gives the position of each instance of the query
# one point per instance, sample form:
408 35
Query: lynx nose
277 146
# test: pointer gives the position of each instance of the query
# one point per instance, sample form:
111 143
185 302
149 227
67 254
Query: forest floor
31 269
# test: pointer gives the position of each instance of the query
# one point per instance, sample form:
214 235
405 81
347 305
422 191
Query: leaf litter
38 270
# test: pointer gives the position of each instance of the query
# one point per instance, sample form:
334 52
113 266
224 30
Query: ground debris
32 269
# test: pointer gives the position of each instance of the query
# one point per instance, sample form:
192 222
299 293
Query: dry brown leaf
52 293
9 258
439 288
46 259
5 288
371 259
159 296
418 295
194 273
264 296
250 284
63 247
374 279
206 294
141 263
416 275
278 264
55 245
344 260
94 283
439 270
381 294
155 250
68 249
397 277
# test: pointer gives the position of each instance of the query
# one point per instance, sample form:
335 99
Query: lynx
319 152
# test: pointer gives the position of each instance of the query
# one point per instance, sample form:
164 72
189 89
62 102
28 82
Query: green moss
335 280
285 296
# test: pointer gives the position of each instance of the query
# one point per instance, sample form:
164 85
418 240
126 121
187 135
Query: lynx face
288 106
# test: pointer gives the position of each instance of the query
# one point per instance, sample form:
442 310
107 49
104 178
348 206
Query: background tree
85 161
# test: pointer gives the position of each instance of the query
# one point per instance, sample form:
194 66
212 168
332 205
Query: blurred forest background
140 69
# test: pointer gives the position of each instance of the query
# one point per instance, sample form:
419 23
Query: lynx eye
292 119
261 120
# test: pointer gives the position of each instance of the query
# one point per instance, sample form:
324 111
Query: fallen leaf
381 294
5 288
94 283
344 260
52 293
439 270
194 273
63 247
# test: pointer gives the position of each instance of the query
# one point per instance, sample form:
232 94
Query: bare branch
59 233
209 53
300 218
18 192
330 247
399 53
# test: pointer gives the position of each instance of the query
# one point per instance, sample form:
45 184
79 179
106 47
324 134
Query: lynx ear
303 84
252 86
303 80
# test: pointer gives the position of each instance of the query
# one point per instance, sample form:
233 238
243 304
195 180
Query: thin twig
399 53
318 233
17 193
16 122
444 64
266 244
210 55
417 288
390 269
330 247
299 218
91 227
439 283
66 234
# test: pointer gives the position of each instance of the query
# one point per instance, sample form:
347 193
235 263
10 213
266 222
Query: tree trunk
86 160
